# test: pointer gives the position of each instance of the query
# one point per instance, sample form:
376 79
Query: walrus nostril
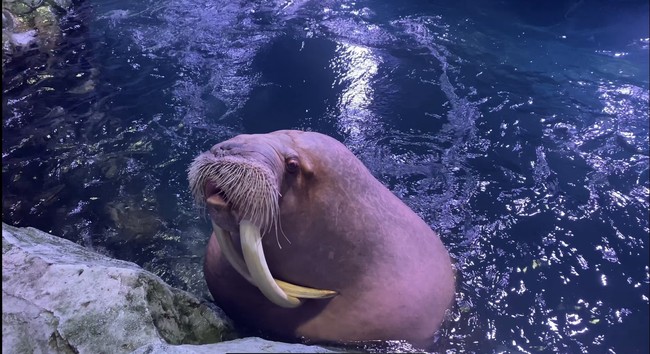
226 146
218 150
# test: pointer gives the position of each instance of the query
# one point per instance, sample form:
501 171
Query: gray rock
59 297
245 345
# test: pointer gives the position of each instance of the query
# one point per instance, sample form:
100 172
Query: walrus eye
292 165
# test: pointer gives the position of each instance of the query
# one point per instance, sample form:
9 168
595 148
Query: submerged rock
23 22
135 222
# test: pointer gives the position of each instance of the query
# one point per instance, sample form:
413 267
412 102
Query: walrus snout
219 208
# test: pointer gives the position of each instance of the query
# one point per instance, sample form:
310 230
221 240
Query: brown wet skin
341 230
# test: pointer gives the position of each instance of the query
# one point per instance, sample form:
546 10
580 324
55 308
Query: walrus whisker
277 239
249 188
282 231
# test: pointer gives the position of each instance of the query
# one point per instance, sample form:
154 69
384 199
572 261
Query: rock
27 21
59 297
47 25
245 345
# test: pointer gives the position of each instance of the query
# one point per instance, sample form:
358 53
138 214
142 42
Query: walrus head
239 183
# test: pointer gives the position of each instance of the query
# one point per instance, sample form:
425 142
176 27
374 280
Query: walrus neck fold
283 294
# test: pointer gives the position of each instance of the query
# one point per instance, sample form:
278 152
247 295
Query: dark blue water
517 130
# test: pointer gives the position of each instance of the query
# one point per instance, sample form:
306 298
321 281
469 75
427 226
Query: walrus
308 245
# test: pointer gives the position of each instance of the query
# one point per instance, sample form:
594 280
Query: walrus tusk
305 292
228 249
251 245
237 262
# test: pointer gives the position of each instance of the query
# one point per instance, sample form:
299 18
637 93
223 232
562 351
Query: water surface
519 133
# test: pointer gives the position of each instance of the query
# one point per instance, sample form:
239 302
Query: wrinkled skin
347 233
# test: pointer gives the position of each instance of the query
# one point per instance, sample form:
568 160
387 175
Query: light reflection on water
356 66
525 147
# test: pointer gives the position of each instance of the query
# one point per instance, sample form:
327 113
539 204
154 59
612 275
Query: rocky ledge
59 297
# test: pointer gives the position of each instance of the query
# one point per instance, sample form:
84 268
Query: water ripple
524 147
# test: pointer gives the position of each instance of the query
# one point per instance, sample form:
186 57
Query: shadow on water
520 136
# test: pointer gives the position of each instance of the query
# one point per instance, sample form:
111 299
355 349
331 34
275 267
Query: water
519 133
